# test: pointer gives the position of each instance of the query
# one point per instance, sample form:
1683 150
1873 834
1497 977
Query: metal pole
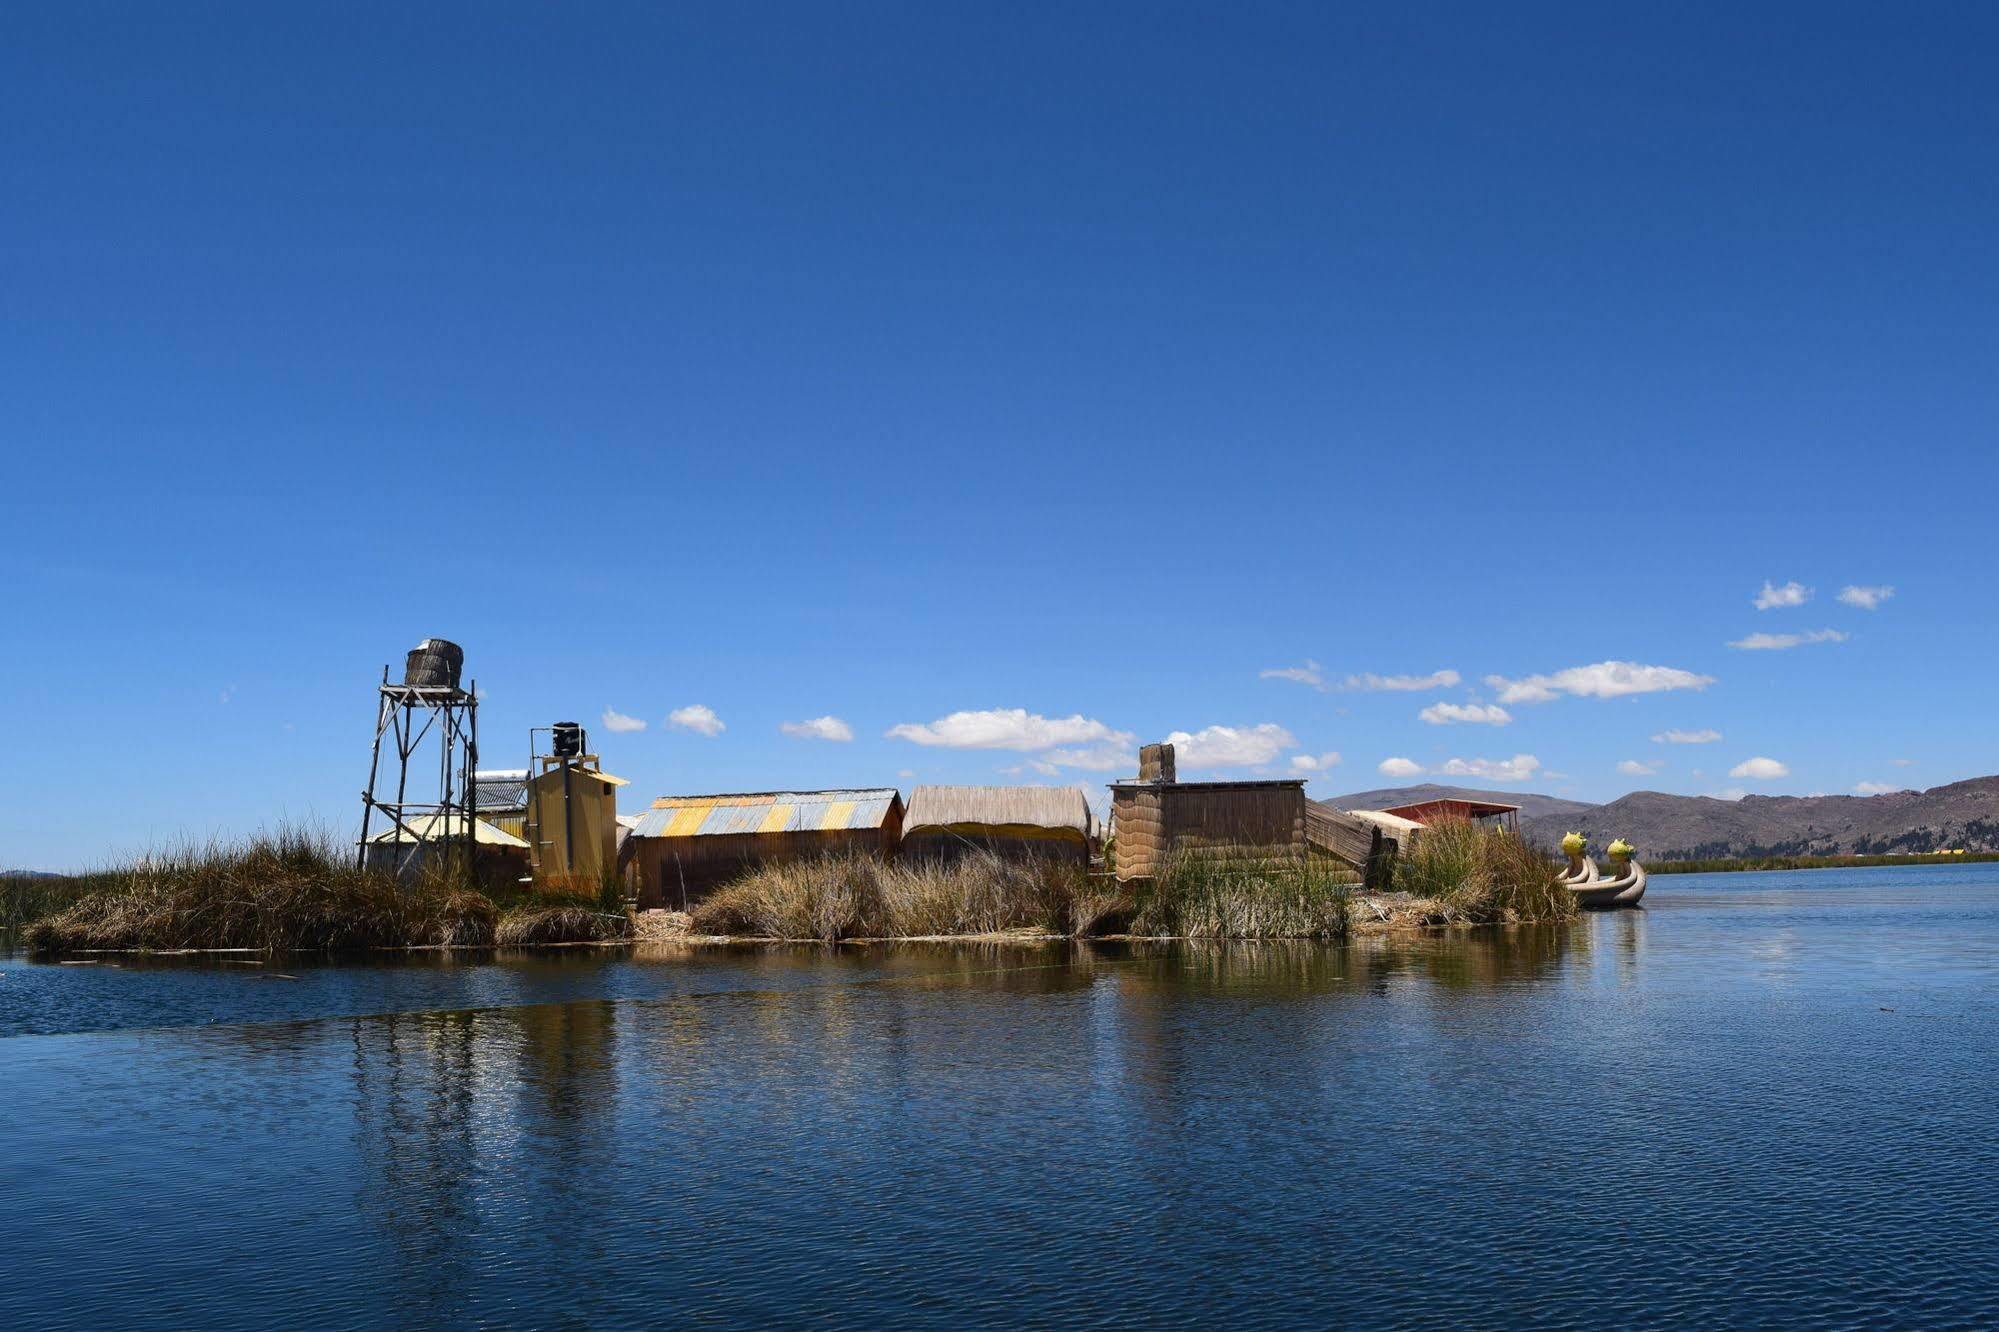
568 823
401 721
471 774
374 765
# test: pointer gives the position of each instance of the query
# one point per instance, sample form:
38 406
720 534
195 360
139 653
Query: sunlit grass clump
1480 875
290 890
1199 898
860 897
528 925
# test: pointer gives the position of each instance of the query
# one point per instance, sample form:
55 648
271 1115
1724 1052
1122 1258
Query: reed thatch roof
1047 807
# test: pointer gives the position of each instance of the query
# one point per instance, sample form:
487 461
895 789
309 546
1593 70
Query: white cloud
1640 767
1865 597
1483 714
1311 673
1731 793
698 718
1778 642
1093 758
1790 594
1407 684
1007 728
1704 737
1230 746
1875 788
905 772
1902 763
1761 769
1325 762
1519 768
1605 679
818 728
1399 767
621 724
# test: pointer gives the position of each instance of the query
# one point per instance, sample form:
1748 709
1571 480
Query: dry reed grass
282 891
1479 875
561 924
1199 898
857 897
860 897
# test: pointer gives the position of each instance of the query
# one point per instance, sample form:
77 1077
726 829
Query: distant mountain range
1672 827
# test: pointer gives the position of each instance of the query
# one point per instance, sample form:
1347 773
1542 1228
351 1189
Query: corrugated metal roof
503 788
997 807
428 827
766 812
1423 810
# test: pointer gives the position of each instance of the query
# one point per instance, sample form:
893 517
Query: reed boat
1581 869
1604 894
1595 891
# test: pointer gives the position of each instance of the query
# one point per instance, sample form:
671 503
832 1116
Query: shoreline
1773 864
1408 917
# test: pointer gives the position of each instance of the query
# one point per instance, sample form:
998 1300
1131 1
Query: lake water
1765 1099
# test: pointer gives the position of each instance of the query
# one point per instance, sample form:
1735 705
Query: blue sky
888 362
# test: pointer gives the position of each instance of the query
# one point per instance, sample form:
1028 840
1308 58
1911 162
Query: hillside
1668 827
1673 827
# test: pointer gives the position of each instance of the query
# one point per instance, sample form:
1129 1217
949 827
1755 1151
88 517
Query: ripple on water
1751 1104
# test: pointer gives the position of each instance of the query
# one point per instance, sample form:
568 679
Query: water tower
432 729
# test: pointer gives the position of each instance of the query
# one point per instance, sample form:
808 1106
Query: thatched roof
1392 824
1047 807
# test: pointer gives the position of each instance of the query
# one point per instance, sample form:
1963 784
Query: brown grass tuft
284 891
561 924
1479 875
859 897
1199 898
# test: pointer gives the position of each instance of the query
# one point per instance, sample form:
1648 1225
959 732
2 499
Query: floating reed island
540 855
295 892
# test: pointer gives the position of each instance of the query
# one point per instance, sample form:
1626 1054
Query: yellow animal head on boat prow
1574 843
1621 849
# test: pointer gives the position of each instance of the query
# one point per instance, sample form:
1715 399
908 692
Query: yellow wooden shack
572 822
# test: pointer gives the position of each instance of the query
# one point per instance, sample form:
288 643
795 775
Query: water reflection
1090 1133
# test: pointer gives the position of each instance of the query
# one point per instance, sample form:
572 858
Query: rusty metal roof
766 812
1424 811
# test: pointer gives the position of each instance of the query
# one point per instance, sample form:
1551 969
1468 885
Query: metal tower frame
407 714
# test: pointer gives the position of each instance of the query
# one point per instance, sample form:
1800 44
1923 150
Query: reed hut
686 846
1158 818
1237 822
1025 822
